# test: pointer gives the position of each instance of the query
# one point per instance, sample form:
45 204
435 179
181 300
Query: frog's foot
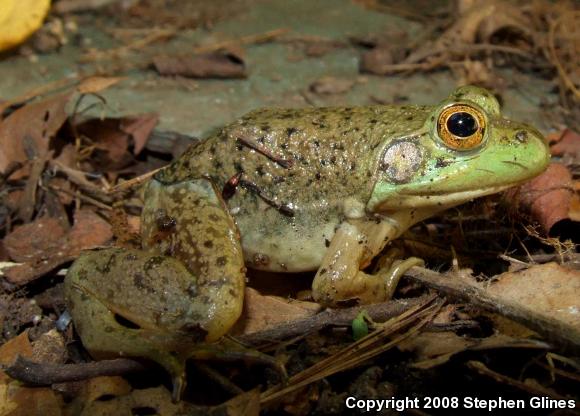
228 350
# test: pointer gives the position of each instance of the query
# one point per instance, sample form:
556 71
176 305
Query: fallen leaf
89 231
211 65
547 197
26 133
264 312
17 400
112 138
19 19
31 241
566 142
435 348
547 289
93 85
139 128
331 85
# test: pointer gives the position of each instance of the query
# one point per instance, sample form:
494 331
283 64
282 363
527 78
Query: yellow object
19 19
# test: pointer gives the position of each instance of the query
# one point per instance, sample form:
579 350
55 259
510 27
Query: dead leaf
331 85
566 142
112 138
17 400
264 312
211 65
89 231
139 128
547 197
31 241
435 348
49 348
93 85
26 133
547 289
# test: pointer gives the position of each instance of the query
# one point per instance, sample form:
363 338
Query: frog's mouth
439 200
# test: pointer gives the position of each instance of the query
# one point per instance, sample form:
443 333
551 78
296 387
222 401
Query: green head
464 149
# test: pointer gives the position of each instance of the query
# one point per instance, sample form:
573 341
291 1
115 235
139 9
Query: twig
566 336
132 183
32 372
360 351
244 40
552 49
138 44
535 390
379 312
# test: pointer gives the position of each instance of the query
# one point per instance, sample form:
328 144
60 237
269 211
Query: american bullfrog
290 190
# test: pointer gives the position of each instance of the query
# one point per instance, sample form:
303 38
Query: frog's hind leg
189 221
158 304
340 278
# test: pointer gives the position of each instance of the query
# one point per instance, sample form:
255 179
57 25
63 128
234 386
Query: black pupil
462 124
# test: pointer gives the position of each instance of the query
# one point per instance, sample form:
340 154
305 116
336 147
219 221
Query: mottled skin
309 189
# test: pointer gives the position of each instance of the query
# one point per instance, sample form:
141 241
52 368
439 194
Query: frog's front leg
356 242
186 289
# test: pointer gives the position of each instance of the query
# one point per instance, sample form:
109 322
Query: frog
290 190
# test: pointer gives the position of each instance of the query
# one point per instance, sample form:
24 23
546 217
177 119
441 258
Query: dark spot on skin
373 121
192 290
208 244
213 217
291 130
522 136
432 118
317 176
284 146
260 170
164 222
266 127
441 163
130 257
322 271
327 242
239 147
196 332
221 261
409 118
261 139
316 143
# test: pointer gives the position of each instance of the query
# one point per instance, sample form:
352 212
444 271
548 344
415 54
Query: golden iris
461 127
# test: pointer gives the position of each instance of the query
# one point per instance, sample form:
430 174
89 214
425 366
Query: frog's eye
461 127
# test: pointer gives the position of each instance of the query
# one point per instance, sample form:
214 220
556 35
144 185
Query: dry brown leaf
122 401
26 133
265 312
93 85
89 231
566 142
547 289
139 128
547 197
436 348
331 85
17 400
32 241
211 65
